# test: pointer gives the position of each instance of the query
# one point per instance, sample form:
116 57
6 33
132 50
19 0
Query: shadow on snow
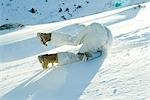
62 83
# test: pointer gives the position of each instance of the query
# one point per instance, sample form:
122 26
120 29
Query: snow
125 72
68 84
107 18
18 11
121 74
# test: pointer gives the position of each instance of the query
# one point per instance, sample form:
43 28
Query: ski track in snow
123 75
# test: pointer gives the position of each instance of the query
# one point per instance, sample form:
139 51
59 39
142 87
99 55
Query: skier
91 41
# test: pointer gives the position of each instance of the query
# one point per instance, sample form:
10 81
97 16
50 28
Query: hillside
120 74
45 11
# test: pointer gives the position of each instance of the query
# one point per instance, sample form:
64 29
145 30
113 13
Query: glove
85 58
82 56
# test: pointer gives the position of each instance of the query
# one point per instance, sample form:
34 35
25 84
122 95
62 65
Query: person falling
94 39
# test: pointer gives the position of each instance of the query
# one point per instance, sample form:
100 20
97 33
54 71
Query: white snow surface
18 11
121 74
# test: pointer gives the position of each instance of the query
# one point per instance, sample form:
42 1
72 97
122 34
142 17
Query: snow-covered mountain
44 11
123 73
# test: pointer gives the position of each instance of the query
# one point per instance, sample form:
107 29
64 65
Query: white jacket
94 37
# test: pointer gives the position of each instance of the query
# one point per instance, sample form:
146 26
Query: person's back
94 37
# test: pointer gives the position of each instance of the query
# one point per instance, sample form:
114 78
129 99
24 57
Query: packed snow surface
121 74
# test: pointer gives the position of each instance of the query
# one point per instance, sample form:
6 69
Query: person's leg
61 36
62 58
67 58
56 38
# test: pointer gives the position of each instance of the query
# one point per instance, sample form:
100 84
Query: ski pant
69 57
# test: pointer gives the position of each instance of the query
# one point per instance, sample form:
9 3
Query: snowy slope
123 74
44 11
